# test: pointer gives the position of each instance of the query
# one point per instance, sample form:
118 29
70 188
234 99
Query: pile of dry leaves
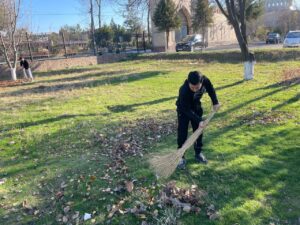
132 139
264 118
183 200
187 199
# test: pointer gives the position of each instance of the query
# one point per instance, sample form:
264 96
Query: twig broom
165 165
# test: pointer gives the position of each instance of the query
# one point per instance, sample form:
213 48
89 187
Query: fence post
137 42
29 47
63 37
144 43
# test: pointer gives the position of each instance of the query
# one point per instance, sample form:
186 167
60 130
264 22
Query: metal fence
45 46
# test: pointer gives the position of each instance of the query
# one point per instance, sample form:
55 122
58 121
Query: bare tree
141 7
99 4
236 12
11 37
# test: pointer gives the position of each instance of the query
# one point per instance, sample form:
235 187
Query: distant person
189 110
26 68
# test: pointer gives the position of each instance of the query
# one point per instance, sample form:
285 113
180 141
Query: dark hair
195 77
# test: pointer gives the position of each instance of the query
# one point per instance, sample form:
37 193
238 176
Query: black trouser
182 132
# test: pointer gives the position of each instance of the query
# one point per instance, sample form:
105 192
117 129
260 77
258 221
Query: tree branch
5 52
222 9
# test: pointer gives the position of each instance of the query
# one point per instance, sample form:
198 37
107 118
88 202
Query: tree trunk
148 22
203 37
13 74
239 26
249 70
167 39
99 13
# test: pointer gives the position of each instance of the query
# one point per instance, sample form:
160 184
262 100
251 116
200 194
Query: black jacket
24 64
188 102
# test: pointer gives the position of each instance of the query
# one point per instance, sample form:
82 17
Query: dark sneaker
181 165
201 159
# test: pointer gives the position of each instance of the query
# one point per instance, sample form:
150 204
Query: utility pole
63 38
93 27
99 2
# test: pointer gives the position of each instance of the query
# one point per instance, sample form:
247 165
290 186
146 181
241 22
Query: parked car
273 38
190 42
292 39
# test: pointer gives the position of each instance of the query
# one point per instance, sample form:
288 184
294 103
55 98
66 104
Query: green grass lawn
58 136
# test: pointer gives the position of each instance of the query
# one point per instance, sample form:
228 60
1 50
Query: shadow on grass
63 72
43 179
85 76
230 110
130 108
50 120
292 100
229 85
94 83
254 185
284 83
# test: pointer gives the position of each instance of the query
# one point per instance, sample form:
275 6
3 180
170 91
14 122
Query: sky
50 15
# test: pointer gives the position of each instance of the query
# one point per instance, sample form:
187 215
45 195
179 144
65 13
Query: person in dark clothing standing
189 110
26 68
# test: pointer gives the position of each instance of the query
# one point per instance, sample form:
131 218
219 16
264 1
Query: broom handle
191 140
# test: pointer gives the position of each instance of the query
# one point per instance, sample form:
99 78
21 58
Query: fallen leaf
114 209
129 186
92 178
59 194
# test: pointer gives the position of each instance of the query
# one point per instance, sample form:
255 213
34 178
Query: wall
64 63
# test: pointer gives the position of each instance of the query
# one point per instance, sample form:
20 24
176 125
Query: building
274 10
220 32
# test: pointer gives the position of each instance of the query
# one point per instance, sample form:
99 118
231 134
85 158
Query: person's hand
201 124
216 107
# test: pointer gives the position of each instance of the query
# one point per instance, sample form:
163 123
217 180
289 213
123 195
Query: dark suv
273 38
190 42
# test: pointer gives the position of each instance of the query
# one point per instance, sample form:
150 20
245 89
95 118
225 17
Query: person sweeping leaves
189 110
26 68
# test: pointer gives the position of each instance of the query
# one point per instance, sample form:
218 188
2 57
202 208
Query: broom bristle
165 165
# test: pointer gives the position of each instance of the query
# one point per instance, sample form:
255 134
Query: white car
292 39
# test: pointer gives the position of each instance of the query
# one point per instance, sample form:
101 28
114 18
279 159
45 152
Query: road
255 45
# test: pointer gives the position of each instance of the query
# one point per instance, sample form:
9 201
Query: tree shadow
253 100
63 72
237 177
229 85
294 99
284 83
42 89
37 181
85 76
50 120
130 108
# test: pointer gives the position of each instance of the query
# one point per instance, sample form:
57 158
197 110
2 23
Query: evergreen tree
165 17
203 17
